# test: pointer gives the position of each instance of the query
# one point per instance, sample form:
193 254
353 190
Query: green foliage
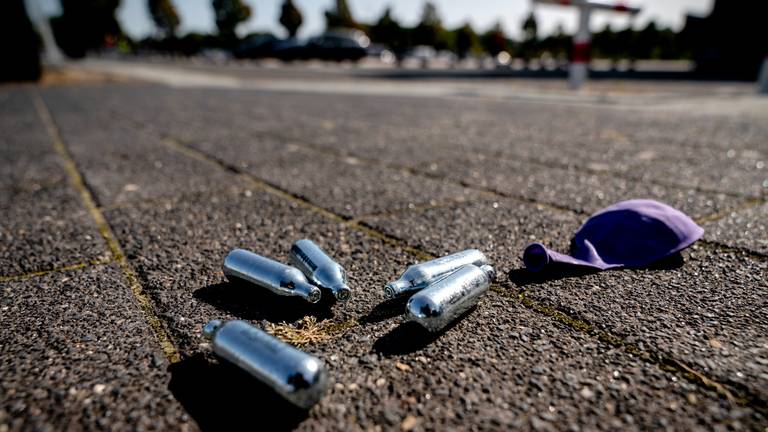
230 13
86 25
19 42
388 31
494 40
530 47
465 40
430 29
340 17
290 18
164 15
558 44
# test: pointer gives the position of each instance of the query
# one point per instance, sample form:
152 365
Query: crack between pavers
418 207
562 166
745 205
488 191
55 270
717 246
76 180
663 361
168 199
277 191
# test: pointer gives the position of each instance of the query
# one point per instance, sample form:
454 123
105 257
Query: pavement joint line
76 179
716 245
603 173
745 205
62 269
414 208
490 192
166 199
274 190
623 176
665 362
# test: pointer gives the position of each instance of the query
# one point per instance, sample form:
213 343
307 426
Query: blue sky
196 15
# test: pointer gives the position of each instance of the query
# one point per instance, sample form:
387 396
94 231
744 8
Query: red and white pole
580 57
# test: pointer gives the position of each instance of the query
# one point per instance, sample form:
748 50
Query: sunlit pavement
126 184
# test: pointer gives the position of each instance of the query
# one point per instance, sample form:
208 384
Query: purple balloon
633 234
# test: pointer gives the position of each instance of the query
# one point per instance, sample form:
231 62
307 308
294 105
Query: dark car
338 46
268 46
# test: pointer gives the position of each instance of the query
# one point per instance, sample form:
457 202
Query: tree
290 18
645 42
230 13
165 17
494 40
86 25
605 44
466 40
430 30
530 45
340 16
389 32
557 45
19 42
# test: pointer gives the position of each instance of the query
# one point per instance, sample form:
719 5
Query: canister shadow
220 396
253 303
386 310
410 337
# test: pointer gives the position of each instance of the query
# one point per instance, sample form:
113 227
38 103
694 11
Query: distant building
731 42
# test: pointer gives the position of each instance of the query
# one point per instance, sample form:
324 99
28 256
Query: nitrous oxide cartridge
443 301
420 275
277 277
319 268
297 376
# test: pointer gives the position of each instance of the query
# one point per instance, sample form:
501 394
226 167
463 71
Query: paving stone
46 229
27 159
480 156
572 188
120 163
43 223
77 354
746 229
500 228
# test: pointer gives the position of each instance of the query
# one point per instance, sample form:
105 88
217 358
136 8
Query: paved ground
121 198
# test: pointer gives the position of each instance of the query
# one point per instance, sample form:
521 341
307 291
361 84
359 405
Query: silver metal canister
277 277
440 303
319 268
418 276
297 376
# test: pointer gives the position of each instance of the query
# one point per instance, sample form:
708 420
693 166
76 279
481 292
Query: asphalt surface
121 197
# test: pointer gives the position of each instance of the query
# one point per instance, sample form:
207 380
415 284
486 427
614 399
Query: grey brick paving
178 173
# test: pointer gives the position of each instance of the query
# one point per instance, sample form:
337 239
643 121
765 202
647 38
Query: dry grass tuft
308 331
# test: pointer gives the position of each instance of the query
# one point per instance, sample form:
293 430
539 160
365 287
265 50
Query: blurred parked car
382 53
268 46
338 45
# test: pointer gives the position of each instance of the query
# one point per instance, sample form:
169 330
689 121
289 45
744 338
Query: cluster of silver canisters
441 291
312 269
